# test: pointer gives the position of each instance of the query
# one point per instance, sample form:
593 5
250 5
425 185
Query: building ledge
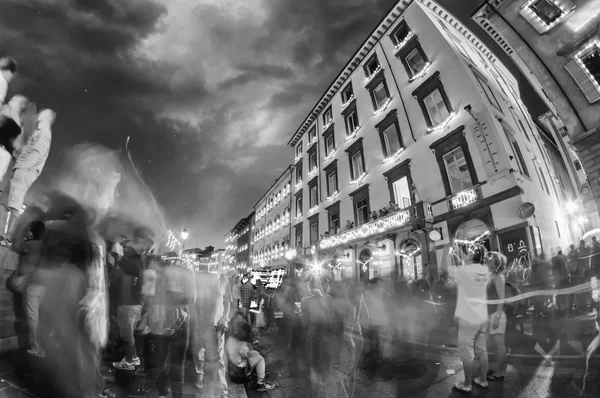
582 136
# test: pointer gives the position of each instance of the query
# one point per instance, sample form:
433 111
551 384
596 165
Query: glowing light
290 254
313 209
313 171
353 134
326 126
333 195
329 157
384 106
579 58
464 198
314 139
345 104
527 8
297 158
375 73
394 156
298 185
398 46
299 216
571 207
581 220
421 73
373 227
441 125
359 179
472 241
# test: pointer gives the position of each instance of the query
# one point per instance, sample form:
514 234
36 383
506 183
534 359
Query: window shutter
584 82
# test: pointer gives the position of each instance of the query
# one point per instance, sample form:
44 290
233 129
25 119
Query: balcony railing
464 198
412 215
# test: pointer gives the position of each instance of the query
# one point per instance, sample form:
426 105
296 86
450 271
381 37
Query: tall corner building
556 44
422 140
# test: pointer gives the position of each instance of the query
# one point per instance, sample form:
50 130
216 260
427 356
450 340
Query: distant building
271 228
238 245
556 43
421 140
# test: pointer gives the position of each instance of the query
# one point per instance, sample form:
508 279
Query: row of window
274 200
272 226
242 248
274 252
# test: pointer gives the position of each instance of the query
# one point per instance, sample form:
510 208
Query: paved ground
415 370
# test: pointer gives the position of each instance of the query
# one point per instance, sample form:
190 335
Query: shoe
124 365
107 394
460 386
481 383
36 352
136 361
265 386
199 385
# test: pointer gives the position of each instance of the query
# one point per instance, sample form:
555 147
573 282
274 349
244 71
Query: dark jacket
129 283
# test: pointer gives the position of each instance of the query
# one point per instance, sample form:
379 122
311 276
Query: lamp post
184 236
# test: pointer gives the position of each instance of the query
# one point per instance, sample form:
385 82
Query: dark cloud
194 133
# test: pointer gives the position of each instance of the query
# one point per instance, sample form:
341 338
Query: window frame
397 173
299 150
487 90
391 119
357 196
299 173
298 233
515 149
355 148
347 116
544 17
402 25
313 185
347 98
432 83
331 168
333 210
446 144
373 84
312 135
406 50
298 197
329 137
370 60
313 221
446 165
328 111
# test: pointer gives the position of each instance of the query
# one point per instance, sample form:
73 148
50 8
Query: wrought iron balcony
464 198
414 216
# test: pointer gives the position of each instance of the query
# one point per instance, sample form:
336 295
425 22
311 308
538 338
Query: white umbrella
587 237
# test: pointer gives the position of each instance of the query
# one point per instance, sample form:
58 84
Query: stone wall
10 306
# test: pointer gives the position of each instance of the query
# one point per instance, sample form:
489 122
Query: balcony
464 198
415 216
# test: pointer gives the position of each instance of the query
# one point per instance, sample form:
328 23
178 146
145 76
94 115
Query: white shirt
472 282
3 89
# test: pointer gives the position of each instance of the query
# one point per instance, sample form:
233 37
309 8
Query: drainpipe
412 134
495 11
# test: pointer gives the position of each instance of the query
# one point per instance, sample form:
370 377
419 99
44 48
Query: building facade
270 231
420 141
238 245
556 43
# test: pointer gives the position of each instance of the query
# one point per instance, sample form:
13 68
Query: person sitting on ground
244 359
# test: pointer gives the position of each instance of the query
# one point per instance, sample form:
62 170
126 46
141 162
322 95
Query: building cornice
365 48
274 184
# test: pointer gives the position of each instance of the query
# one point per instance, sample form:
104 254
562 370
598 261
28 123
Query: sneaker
265 386
460 386
107 394
124 365
481 383
36 352
136 361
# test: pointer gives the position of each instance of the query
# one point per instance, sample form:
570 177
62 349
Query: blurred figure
28 165
316 323
378 303
343 322
8 70
246 296
560 269
209 323
471 311
129 294
244 359
496 290
166 316
595 262
30 248
10 129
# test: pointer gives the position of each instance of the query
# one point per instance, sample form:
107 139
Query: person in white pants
10 129
8 69
29 163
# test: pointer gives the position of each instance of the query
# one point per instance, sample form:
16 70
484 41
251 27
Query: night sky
209 90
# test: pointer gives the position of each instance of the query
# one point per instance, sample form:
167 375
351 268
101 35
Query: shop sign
514 244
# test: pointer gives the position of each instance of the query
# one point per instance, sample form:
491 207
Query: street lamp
184 236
